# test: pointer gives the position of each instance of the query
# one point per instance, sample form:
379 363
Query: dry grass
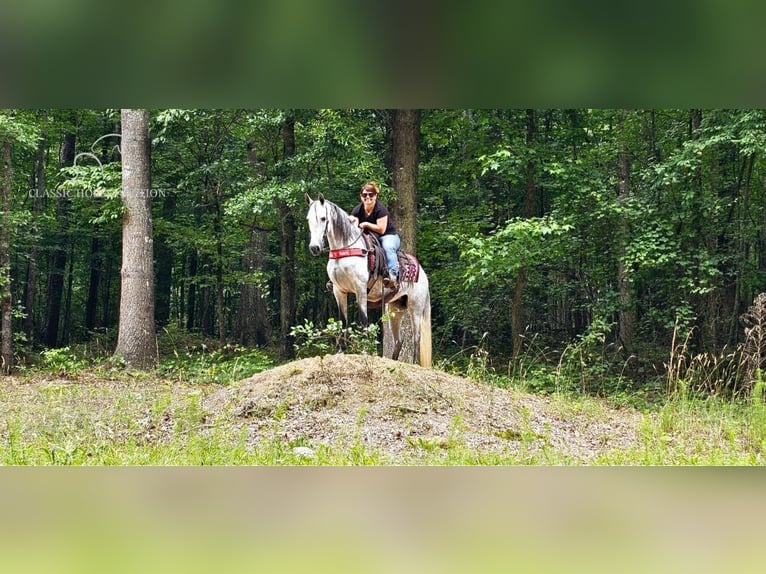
406 413
354 409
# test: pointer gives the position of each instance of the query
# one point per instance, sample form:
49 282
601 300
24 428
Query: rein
346 251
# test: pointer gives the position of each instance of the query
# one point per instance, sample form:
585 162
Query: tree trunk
220 302
253 324
530 203
91 304
6 317
107 318
402 155
288 298
709 303
627 314
404 174
207 310
30 292
67 327
164 267
136 339
58 258
191 300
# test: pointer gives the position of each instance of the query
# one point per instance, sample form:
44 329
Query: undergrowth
692 415
224 365
184 357
313 340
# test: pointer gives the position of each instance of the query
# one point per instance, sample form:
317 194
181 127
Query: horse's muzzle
315 249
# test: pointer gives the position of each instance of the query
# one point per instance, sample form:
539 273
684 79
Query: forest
618 246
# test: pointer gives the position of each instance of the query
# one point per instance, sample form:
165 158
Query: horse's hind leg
415 321
395 314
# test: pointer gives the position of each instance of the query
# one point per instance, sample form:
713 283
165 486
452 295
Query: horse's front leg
341 298
361 301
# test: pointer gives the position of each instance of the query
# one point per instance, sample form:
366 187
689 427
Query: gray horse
348 271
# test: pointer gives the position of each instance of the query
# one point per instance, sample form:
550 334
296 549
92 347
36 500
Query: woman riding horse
347 269
371 215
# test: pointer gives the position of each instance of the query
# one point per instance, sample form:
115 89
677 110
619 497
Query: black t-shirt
377 212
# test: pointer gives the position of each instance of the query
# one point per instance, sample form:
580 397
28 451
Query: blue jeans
390 245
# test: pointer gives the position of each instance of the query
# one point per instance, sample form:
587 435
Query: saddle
409 267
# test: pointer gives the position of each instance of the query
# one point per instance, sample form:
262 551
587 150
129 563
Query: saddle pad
409 268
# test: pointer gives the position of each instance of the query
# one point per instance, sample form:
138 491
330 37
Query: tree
58 257
30 291
6 329
16 129
627 315
530 202
252 320
287 301
598 228
137 340
403 151
405 139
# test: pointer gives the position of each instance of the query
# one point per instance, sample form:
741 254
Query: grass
75 408
151 421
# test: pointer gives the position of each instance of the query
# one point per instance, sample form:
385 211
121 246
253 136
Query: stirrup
390 282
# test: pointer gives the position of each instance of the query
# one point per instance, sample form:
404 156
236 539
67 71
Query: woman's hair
370 186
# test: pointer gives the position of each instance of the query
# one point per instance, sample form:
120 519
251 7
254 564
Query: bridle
324 234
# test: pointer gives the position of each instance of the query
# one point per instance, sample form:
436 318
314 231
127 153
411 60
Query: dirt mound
403 411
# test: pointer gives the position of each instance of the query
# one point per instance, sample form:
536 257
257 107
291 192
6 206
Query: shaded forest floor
354 409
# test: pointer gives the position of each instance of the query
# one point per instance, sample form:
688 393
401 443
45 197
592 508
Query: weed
312 341
62 361
221 366
754 349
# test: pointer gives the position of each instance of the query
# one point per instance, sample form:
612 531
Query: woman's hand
379 228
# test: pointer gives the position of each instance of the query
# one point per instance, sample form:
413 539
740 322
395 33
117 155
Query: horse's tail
425 333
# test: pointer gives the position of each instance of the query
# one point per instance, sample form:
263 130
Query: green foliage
203 365
503 162
684 228
314 341
63 361
521 242
20 127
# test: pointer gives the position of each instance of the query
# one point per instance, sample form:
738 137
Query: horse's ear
321 198
308 199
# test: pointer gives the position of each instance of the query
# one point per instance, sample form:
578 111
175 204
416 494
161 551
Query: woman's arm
379 227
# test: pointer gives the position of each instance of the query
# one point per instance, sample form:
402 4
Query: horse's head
318 222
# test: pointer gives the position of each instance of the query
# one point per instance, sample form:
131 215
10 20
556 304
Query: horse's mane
345 230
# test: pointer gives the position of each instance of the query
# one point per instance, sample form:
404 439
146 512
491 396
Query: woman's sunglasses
368 194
